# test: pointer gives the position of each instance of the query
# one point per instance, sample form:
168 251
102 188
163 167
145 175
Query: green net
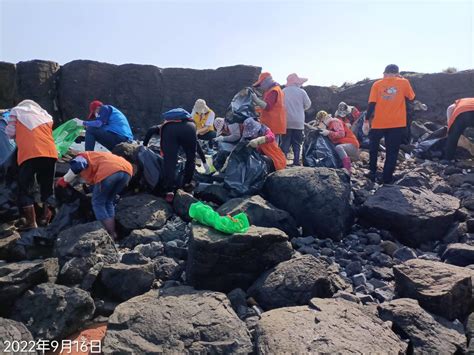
65 135
206 215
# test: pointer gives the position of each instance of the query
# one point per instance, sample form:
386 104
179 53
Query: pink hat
295 80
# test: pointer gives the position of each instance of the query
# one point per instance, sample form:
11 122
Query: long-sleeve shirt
297 102
102 118
234 133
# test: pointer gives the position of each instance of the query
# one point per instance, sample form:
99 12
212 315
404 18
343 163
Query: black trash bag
431 148
246 171
150 166
358 132
319 151
241 107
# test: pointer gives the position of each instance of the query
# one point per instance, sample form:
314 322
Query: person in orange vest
347 145
109 174
273 113
460 115
32 128
387 103
262 138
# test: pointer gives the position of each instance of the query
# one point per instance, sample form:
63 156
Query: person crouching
109 174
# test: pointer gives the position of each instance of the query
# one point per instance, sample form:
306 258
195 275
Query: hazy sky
327 41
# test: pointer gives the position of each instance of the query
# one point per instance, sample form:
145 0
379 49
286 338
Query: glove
219 139
62 183
324 132
78 121
366 127
254 143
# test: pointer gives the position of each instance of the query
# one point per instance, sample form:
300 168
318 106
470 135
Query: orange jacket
103 164
461 106
273 151
275 118
37 143
341 134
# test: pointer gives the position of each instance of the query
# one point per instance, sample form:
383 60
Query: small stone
346 296
404 253
374 238
134 258
470 225
353 268
365 299
377 283
383 294
383 273
327 252
359 279
389 247
152 250
383 260
308 250
301 241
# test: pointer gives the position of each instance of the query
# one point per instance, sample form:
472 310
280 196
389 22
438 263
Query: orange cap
261 78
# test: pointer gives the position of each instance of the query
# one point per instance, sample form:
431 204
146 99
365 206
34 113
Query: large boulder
329 326
7 85
222 262
178 320
318 198
15 332
295 282
53 311
459 254
428 334
123 282
414 215
261 213
16 278
442 289
142 211
36 80
80 248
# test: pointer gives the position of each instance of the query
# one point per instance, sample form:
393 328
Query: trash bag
206 215
319 151
431 148
358 132
151 165
65 135
241 107
246 171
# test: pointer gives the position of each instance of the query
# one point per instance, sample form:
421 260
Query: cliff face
143 92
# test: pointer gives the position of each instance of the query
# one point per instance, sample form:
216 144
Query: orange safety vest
461 106
275 119
273 151
102 165
37 143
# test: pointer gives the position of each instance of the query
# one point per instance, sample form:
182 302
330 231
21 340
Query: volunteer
228 135
347 114
387 105
203 117
347 145
460 115
296 103
106 125
109 174
32 128
272 114
262 138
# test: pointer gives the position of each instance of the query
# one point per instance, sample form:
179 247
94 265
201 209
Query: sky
329 42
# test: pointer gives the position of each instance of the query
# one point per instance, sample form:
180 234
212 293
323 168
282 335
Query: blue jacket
112 120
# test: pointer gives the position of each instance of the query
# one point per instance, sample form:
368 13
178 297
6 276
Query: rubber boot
346 164
109 225
46 216
30 217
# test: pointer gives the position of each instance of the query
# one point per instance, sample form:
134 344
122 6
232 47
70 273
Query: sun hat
295 80
200 106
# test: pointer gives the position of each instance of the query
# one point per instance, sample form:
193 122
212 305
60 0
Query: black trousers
174 136
393 138
293 138
43 170
464 120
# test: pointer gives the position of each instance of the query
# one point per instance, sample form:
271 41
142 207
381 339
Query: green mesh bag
65 135
206 215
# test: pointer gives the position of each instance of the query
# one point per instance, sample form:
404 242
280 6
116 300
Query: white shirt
296 103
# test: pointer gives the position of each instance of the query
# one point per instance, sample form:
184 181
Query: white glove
365 127
254 143
78 121
219 139
325 132
348 125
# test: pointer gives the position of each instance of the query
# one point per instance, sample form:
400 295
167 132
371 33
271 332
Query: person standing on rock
347 145
273 114
296 103
109 174
460 115
110 126
32 128
387 103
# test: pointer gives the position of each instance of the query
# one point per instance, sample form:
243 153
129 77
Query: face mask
96 114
